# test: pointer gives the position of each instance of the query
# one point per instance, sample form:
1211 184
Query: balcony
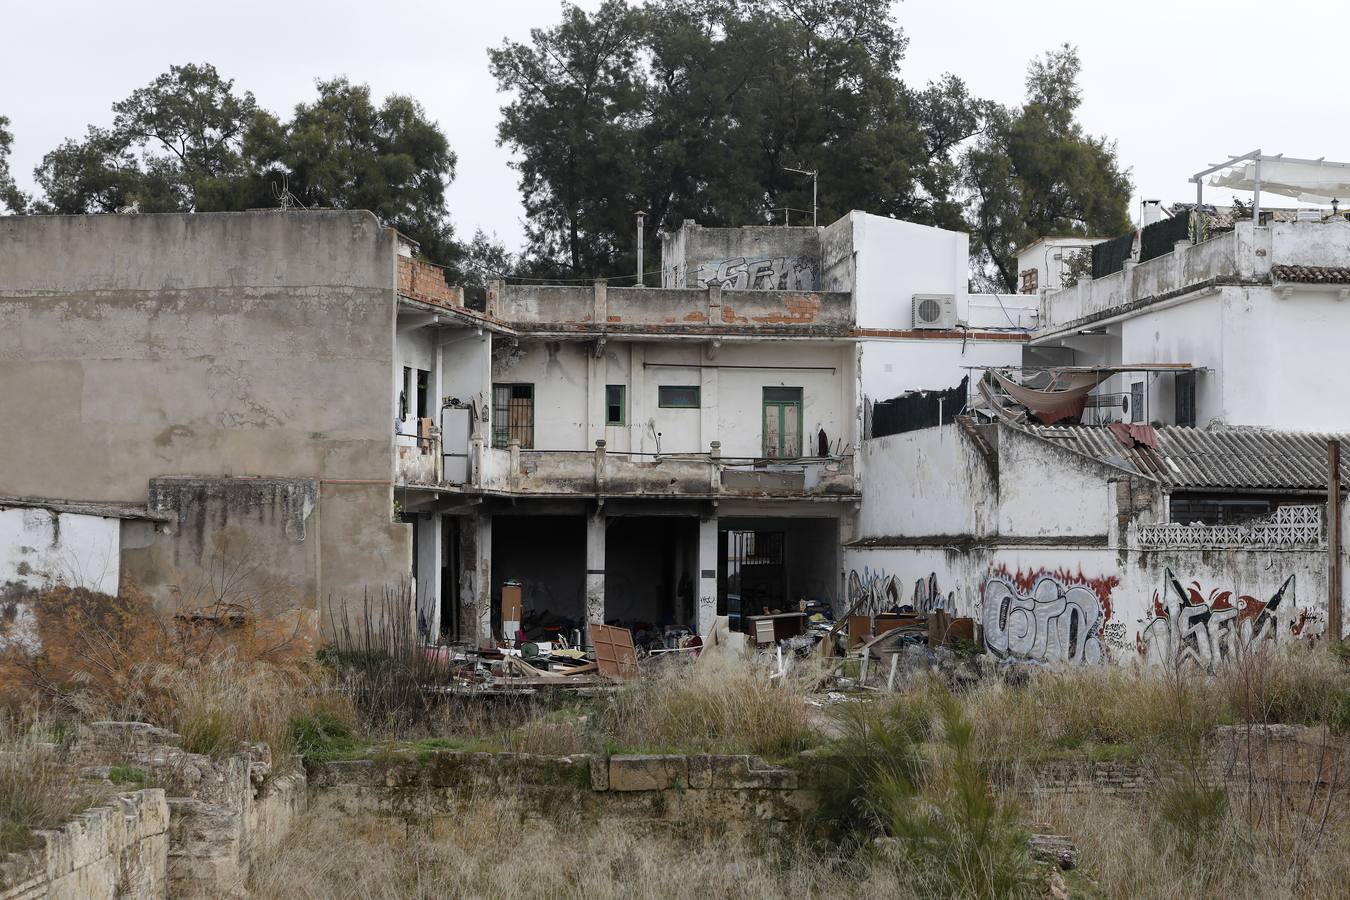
552 473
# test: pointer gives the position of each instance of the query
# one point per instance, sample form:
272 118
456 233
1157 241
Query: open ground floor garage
663 569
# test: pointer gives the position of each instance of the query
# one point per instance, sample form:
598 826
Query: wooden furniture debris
785 625
614 653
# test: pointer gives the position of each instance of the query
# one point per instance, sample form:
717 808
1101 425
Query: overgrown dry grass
216 683
495 851
1132 848
1115 710
713 707
37 788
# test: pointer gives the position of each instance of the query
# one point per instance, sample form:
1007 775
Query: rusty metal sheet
614 652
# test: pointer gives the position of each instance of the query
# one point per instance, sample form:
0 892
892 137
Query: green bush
322 736
956 838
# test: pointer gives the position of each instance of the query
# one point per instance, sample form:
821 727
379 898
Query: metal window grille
678 396
513 415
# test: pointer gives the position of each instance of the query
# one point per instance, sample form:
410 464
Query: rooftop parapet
1245 255
599 308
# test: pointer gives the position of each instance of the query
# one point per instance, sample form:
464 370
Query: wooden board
614 652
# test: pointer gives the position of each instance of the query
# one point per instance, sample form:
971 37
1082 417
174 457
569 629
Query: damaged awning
1306 180
1066 397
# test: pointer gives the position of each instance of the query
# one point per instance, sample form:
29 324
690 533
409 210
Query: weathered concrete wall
40 547
596 308
118 850
715 793
263 532
133 347
747 258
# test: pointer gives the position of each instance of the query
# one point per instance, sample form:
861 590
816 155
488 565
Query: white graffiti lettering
1187 627
781 273
1053 624
879 592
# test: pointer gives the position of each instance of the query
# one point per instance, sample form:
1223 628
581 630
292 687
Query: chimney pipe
641 217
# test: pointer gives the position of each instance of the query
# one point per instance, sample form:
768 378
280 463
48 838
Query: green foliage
175 144
189 141
874 760
692 108
322 736
1187 808
957 839
127 775
1034 172
10 196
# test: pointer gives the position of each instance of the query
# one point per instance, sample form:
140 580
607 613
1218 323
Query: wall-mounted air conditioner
934 311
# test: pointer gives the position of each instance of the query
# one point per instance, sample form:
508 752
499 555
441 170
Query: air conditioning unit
934 311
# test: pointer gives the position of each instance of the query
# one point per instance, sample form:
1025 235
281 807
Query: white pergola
1306 180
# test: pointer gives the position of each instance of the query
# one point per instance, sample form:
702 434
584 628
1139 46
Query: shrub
956 838
874 757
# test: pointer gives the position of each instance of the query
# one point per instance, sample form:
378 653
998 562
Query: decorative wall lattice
1288 526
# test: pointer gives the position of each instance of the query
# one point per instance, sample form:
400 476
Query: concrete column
596 369
707 416
707 573
475 579
429 544
595 567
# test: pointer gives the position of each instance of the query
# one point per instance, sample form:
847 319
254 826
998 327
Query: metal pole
641 218
1256 191
1334 540
815 174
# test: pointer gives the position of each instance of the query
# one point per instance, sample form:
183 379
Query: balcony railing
590 472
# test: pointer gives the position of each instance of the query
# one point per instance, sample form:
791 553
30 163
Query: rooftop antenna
814 173
283 194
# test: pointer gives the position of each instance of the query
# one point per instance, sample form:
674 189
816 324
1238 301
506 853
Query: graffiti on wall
1188 626
764 273
1046 617
874 592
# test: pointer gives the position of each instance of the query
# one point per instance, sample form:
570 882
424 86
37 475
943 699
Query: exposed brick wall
423 281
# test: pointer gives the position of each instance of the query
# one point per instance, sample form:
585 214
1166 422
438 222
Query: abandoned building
293 406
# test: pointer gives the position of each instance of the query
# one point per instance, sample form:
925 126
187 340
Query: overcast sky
1177 83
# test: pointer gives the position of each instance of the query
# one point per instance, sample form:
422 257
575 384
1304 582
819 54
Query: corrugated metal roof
1254 458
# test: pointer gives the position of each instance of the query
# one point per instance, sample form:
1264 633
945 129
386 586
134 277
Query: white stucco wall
891 367
1043 492
896 260
39 548
569 415
1049 581
926 482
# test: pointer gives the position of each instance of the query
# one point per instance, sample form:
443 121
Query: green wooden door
782 422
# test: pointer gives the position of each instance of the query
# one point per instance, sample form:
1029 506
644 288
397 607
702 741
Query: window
403 394
423 377
1030 280
1224 509
677 396
614 406
1137 402
513 415
782 422
1184 388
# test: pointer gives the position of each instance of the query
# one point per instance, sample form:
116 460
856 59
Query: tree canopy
1034 172
698 108
682 109
11 197
189 141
